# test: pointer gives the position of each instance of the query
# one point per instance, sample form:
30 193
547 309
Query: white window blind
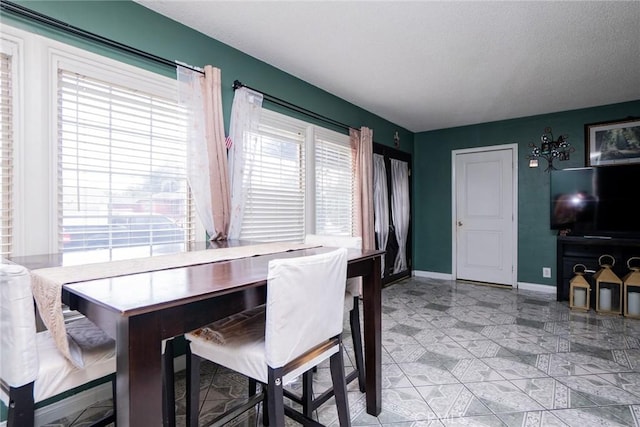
298 179
121 168
275 182
6 154
333 183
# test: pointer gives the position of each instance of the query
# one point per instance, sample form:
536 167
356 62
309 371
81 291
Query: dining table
139 311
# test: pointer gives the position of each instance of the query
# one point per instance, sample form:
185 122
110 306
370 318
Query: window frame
117 74
331 137
309 132
13 47
35 233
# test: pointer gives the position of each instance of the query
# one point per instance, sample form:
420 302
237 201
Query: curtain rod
60 25
237 85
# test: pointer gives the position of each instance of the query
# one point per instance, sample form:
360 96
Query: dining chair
299 327
32 369
352 304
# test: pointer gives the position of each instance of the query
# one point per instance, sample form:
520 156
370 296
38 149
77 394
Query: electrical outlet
546 272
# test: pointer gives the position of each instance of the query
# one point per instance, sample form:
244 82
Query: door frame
514 209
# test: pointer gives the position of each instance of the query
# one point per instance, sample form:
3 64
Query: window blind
121 167
6 154
296 176
333 183
274 180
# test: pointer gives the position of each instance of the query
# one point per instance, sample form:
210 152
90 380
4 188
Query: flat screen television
598 201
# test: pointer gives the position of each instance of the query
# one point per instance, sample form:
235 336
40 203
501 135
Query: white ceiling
428 65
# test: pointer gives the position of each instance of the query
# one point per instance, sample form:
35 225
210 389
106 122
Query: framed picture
613 143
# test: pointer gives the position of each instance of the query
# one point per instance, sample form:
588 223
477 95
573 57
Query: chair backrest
18 349
354 285
336 241
305 304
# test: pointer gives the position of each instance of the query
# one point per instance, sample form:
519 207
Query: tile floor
459 354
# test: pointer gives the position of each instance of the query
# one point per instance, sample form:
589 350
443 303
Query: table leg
372 310
139 371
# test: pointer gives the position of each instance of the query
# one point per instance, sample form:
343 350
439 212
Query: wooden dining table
141 310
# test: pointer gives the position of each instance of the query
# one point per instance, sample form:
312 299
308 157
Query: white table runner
47 283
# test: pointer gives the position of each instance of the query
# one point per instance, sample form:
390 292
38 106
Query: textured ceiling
429 65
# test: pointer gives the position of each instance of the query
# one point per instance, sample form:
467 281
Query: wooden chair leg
307 393
253 387
114 393
340 388
21 406
356 335
193 387
275 402
265 406
168 387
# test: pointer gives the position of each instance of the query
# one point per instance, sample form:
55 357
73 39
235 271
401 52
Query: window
88 162
333 184
121 167
6 153
93 155
275 181
298 179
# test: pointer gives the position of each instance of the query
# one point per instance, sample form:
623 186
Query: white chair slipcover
272 343
30 359
351 302
354 284
18 348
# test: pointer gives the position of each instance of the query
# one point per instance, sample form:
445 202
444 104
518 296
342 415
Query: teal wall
432 184
136 26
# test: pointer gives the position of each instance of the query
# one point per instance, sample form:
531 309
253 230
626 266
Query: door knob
459 223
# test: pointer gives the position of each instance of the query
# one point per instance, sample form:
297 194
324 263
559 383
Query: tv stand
572 250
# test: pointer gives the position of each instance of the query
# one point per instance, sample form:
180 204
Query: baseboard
432 275
83 400
536 287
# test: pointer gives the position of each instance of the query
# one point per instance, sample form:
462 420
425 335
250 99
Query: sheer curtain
206 149
400 210
362 146
245 118
380 204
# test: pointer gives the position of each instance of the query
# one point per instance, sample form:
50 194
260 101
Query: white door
484 213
